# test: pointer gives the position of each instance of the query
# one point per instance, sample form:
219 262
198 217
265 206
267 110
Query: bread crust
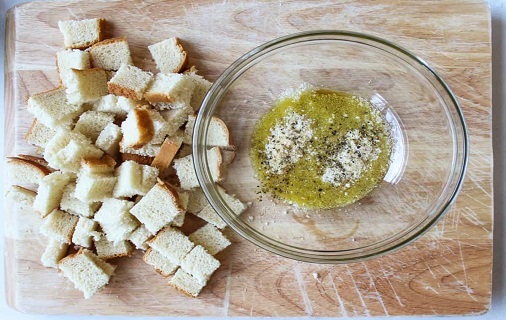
37 160
165 156
154 97
137 158
184 62
24 162
120 90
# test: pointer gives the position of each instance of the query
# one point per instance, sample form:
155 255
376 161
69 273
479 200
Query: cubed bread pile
117 172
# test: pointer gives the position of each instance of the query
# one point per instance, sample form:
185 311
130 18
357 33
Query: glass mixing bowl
428 162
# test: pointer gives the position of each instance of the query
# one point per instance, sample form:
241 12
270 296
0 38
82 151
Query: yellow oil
333 114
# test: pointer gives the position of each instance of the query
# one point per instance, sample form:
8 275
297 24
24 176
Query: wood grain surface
446 272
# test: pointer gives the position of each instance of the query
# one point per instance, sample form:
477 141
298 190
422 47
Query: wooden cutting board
446 272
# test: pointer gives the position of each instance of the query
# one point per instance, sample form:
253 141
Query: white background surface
498 311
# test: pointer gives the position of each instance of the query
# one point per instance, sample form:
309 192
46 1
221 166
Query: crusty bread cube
201 87
172 244
50 191
134 179
110 54
178 220
84 232
71 59
168 150
21 195
39 134
130 81
80 34
210 238
218 134
162 265
52 108
147 152
91 123
103 165
169 55
176 117
208 214
158 207
86 85
186 172
197 201
137 158
59 225
161 128
115 219
186 283
140 236
108 140
74 206
54 252
200 264
170 91
95 187
109 249
25 172
88 272
137 129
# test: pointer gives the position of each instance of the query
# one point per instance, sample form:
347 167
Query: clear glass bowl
428 164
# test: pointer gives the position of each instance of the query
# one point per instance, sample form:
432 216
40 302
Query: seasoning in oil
321 149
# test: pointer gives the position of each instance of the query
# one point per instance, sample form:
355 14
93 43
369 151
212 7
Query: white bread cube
103 165
25 172
85 231
110 54
95 187
218 134
176 117
54 252
146 151
126 104
186 283
72 205
197 201
170 91
227 156
186 172
137 129
109 250
161 264
71 59
158 207
88 272
59 225
86 85
66 149
178 220
50 191
200 264
172 244
39 134
140 236
52 108
208 214
201 87
119 106
108 140
169 55
134 179
130 81
21 195
91 123
210 238
115 219
161 128
80 34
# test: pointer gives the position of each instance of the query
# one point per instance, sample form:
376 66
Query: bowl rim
310 255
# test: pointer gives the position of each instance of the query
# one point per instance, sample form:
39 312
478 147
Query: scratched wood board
446 272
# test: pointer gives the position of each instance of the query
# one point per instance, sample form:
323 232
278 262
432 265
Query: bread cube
137 129
85 231
134 179
21 195
108 140
103 165
170 91
80 34
50 191
54 252
172 244
86 85
110 54
130 81
161 128
169 55
210 238
200 264
115 219
59 225
88 272
162 265
91 123
39 134
218 134
147 152
95 187
163 159
201 87
71 59
197 201
140 236
186 172
186 283
74 206
158 207
25 172
52 108
117 105
208 214
109 249
176 117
